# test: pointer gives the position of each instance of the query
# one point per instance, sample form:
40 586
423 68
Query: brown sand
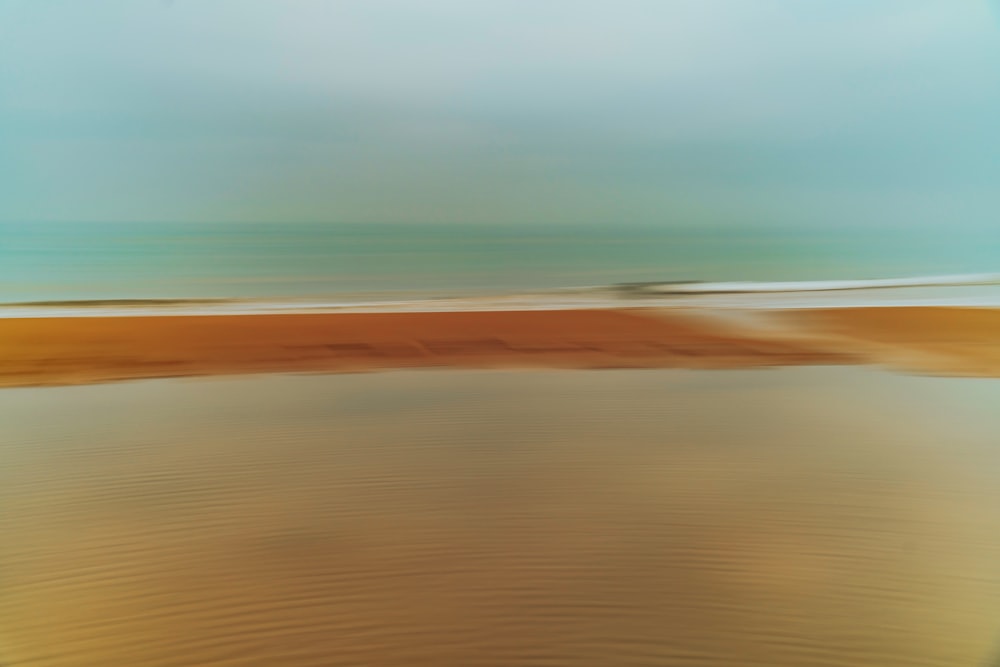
938 340
93 349
52 351
833 517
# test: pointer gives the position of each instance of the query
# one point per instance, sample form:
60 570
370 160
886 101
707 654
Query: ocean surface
73 261
815 517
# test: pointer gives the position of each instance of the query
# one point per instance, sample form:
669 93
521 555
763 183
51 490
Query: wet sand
834 517
934 340
69 350
83 349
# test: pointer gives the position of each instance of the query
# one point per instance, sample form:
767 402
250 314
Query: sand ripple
544 519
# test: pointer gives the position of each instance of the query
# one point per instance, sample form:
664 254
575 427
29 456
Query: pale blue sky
747 112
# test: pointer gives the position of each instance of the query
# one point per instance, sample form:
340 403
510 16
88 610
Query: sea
142 260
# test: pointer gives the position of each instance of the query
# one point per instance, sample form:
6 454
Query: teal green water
118 260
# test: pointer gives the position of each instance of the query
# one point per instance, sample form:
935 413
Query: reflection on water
795 517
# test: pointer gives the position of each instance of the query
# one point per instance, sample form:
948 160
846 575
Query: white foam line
818 285
732 301
776 296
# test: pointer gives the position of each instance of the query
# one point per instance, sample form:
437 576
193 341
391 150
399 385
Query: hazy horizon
710 113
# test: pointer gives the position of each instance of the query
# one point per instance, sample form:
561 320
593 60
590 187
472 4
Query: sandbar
75 350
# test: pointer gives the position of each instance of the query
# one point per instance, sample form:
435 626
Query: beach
808 516
296 488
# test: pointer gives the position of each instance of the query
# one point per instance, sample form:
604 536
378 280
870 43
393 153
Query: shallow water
795 517
71 261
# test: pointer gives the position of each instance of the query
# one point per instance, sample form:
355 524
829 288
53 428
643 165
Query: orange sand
47 351
939 340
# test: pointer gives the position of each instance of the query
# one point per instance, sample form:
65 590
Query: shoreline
585 298
945 340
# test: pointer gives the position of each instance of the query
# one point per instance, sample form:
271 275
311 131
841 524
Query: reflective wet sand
942 340
813 516
74 350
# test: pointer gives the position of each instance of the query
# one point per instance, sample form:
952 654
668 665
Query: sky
805 113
